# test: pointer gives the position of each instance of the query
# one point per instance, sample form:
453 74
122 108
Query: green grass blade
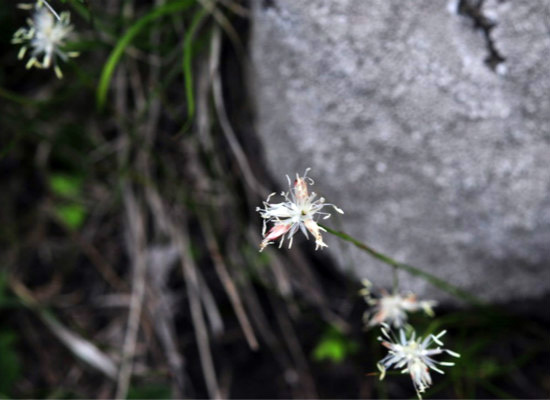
495 390
434 280
131 33
196 23
18 99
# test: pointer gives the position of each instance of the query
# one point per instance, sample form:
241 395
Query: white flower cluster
413 355
45 37
298 211
410 354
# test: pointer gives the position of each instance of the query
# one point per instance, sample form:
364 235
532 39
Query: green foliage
126 39
6 299
69 187
66 185
3 285
196 23
488 367
334 346
149 391
10 366
72 215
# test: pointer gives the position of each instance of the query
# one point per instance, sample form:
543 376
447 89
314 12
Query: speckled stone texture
438 158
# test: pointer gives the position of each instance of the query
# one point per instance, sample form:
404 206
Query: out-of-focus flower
45 36
296 212
414 356
392 308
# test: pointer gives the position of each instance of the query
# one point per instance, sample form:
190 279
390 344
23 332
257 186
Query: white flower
297 211
45 35
414 356
392 308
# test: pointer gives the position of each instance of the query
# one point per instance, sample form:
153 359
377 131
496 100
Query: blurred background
128 226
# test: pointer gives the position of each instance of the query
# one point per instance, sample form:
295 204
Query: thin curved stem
434 280
49 7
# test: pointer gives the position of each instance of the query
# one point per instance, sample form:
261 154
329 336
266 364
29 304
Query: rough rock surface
427 121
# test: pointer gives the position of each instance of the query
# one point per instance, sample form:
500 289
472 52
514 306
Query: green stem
196 23
434 280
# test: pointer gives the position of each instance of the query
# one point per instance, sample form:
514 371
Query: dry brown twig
228 284
136 249
199 326
254 185
80 347
295 349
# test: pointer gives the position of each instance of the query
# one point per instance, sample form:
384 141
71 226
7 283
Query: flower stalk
434 280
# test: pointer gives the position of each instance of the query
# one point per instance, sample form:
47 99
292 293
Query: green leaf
66 185
6 299
72 215
3 286
488 368
196 23
131 33
334 346
330 349
10 366
150 391
18 99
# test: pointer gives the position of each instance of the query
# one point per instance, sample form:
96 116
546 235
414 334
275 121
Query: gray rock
437 157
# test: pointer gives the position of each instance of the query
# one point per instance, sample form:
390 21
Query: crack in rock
473 9
266 4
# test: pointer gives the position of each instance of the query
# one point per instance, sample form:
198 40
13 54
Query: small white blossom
414 356
45 35
392 308
296 212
